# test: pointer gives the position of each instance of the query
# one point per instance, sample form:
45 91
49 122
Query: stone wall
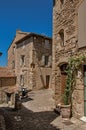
12 48
34 49
25 69
65 18
78 93
41 70
7 85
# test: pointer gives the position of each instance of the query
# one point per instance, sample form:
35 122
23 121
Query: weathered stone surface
33 49
65 17
36 113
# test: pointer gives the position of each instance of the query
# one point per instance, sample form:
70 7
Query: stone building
29 57
69 40
7 85
12 48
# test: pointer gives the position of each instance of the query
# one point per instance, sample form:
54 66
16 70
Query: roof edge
33 34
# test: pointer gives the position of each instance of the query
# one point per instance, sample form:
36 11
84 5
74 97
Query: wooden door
63 79
63 82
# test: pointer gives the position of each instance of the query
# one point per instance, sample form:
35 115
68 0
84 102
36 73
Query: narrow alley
36 113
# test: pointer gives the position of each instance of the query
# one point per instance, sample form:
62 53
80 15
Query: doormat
68 123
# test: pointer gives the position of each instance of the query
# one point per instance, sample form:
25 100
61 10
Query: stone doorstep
78 122
83 119
60 122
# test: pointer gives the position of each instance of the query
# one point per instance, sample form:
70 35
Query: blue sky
26 15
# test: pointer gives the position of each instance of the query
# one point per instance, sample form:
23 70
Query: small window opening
61 33
62 2
46 60
22 60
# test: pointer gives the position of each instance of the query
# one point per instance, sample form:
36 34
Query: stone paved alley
37 114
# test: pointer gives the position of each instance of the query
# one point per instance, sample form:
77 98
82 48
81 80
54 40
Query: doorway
63 78
8 97
47 81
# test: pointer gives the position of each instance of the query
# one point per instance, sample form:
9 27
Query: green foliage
73 65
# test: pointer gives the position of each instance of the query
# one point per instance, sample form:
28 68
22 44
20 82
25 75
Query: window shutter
50 61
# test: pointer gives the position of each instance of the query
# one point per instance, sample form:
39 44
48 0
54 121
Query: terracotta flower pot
66 111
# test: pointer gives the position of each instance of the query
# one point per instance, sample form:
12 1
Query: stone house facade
12 48
31 60
69 30
7 86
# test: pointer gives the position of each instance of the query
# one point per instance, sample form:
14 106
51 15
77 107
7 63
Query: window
46 60
22 60
63 68
47 45
61 33
13 64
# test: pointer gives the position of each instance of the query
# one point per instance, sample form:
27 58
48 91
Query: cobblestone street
36 113
27 120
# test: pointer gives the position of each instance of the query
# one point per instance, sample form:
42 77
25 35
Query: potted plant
66 106
73 65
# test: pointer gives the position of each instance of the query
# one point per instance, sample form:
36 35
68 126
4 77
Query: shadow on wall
25 119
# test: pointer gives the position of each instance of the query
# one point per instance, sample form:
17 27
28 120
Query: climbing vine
72 67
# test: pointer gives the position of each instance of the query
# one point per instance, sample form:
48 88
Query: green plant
72 67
